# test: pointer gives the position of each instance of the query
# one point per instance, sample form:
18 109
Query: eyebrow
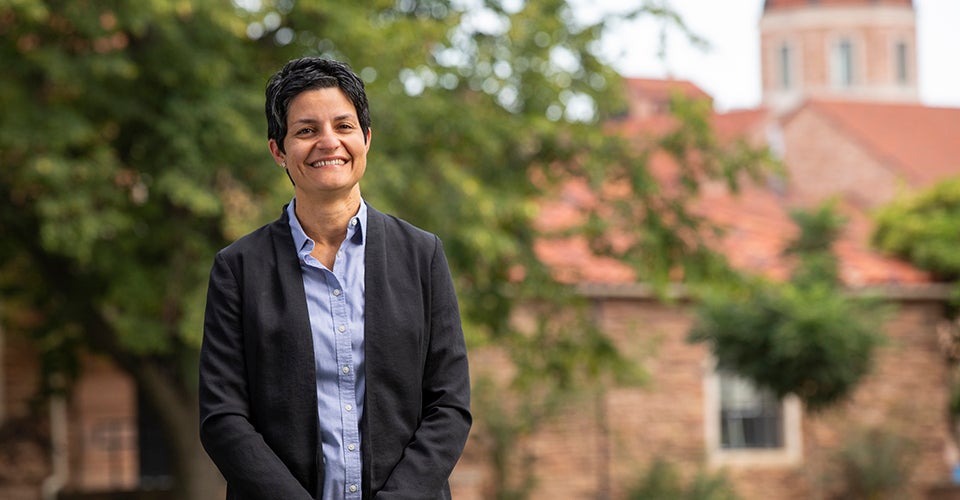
345 116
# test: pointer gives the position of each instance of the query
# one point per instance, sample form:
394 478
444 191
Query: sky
730 69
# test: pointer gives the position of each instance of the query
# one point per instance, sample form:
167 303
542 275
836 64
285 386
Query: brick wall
825 162
602 442
101 432
24 434
103 429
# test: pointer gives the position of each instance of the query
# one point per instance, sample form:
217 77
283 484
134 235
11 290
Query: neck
325 220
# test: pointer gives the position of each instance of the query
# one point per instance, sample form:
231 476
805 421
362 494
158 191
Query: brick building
841 108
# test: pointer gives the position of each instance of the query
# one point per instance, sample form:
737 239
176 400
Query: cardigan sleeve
430 456
252 469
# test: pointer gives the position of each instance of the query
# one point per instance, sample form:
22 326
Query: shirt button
346 369
341 328
336 292
348 407
353 222
351 447
353 488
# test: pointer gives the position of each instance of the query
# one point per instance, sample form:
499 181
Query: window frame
789 454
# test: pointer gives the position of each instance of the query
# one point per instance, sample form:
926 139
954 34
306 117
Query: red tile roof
758 228
747 123
921 143
659 88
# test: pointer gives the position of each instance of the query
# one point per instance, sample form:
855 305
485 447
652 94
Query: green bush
662 482
811 341
924 228
875 464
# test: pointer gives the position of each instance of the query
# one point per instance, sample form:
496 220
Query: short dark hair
310 73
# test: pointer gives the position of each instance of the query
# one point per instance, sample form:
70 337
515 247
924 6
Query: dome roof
778 4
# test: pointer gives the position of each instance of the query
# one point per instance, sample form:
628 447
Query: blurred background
700 252
729 70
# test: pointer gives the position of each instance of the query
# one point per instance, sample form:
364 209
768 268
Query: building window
786 67
749 417
745 426
842 63
901 60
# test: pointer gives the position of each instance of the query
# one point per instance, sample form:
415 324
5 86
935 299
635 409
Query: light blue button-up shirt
335 300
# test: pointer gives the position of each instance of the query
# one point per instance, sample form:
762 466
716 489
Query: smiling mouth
327 163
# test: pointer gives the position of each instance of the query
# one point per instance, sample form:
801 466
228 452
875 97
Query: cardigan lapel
375 286
295 317
293 298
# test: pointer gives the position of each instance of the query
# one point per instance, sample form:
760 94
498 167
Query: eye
304 131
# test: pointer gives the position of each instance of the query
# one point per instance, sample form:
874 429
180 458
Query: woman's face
325 149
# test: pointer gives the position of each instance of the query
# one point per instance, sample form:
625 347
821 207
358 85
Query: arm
235 445
436 446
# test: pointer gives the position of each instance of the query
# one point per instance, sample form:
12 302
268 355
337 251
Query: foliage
875 464
804 337
133 148
652 228
117 164
924 228
813 247
500 430
662 482
129 156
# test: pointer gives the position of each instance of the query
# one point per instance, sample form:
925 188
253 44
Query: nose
327 139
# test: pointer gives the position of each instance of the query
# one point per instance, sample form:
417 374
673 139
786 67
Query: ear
369 138
278 155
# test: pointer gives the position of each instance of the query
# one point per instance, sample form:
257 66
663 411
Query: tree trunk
196 478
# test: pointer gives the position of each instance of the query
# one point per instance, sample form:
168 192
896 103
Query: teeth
328 162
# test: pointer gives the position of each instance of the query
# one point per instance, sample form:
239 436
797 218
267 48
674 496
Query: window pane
901 60
842 61
749 417
786 78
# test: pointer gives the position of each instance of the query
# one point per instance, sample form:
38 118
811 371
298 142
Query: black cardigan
258 404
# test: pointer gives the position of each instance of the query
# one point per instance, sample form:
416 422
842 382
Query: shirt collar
356 229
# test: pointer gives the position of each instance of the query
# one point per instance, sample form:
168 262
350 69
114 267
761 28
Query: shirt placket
346 382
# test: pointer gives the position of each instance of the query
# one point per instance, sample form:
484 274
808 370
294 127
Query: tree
129 141
924 229
804 337
133 149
